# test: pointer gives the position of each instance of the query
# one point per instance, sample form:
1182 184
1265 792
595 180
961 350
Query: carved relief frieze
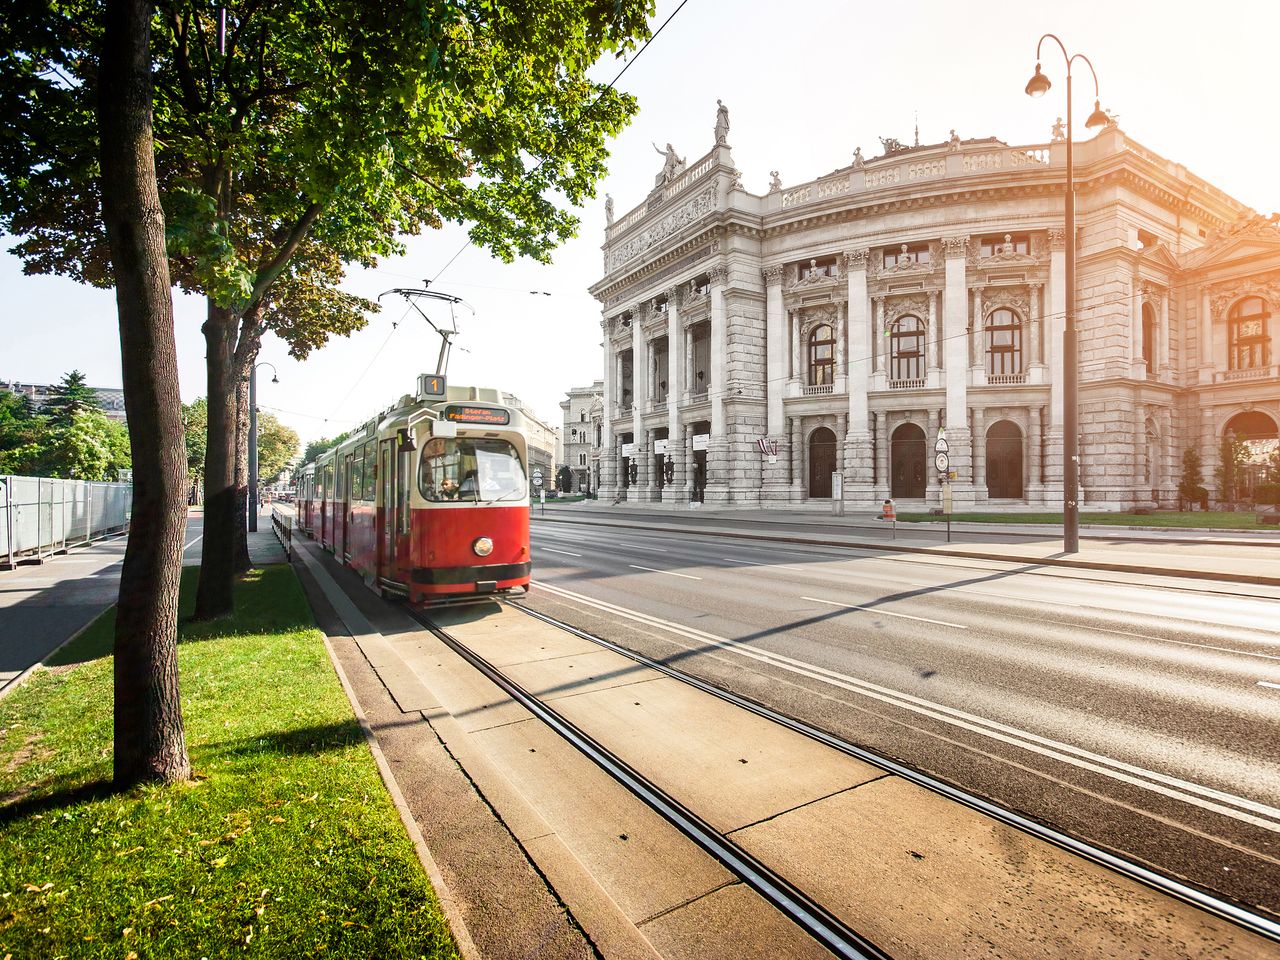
954 246
1222 295
772 274
687 213
854 259
1016 298
1057 239
719 274
810 317
915 304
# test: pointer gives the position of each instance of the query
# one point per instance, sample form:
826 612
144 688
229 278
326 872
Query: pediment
1160 255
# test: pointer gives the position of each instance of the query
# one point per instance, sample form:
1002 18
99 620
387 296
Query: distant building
542 441
111 399
583 424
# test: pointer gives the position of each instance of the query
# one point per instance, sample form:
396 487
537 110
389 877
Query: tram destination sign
488 416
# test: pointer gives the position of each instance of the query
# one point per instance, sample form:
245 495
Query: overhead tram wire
609 86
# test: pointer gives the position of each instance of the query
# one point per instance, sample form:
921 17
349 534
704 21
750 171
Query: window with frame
701 350
1248 343
1004 243
814 269
370 492
907 253
1149 337
906 349
470 470
660 355
355 482
822 345
1004 343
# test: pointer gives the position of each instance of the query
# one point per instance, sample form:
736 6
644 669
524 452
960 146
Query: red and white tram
429 501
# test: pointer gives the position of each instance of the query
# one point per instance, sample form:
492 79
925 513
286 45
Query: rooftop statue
722 124
673 167
608 210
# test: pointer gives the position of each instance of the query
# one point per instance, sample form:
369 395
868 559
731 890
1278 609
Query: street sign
942 462
660 446
941 446
537 478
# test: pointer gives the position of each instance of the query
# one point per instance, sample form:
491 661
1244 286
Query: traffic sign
942 462
537 478
941 446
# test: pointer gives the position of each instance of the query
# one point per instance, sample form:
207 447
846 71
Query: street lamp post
253 440
1038 86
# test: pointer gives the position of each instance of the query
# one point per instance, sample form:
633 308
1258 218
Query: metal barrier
41 516
282 524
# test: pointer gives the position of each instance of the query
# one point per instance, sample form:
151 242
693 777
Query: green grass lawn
1220 519
286 844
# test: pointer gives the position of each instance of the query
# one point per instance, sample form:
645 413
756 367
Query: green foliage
327 131
277 447
1191 487
195 423
70 397
1268 493
89 447
1233 453
317 447
287 845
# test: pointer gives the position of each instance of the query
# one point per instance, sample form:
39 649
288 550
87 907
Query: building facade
583 409
757 345
110 399
543 443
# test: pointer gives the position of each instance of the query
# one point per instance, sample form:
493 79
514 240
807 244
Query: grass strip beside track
285 845
1212 519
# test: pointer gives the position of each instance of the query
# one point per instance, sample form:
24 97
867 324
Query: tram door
386 536
346 507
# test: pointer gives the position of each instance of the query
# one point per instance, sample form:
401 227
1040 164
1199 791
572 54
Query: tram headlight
483 546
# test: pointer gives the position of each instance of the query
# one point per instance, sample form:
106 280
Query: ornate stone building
845 321
583 428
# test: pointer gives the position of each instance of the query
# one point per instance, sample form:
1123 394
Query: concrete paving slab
633 853
474 702
578 674
727 765
923 877
733 923
495 635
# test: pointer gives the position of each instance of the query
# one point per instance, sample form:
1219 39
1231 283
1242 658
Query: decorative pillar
718 444
775 476
686 432
608 473
977 327
883 484
795 344
675 362
1164 333
1206 338
1037 322
877 335
980 453
859 464
1143 469
933 335
1035 441
955 321
1135 318
931 479
639 395
797 460
1170 473
842 431
1057 312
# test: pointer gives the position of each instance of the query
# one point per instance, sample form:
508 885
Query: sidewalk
1235 561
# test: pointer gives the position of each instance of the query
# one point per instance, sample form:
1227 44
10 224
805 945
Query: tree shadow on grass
41 801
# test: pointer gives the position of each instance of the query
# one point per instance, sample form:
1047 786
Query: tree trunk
149 739
214 596
243 563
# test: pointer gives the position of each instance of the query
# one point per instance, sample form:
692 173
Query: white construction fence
40 516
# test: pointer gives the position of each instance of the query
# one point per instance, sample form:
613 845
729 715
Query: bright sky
805 82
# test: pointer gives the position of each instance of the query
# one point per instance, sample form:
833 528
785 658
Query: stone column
675 362
841 334
1037 323
686 432
980 453
1206 338
775 476
796 363
718 444
878 362
639 397
976 334
932 482
1143 469
797 460
608 466
883 485
858 463
1169 450
955 321
1135 319
933 341
1035 479
1053 357
1164 331
842 431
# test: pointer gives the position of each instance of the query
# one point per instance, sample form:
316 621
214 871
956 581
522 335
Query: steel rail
1241 917
808 914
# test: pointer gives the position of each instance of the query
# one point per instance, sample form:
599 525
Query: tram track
811 916
792 902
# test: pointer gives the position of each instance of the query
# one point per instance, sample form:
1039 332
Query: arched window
583 416
1249 344
1149 337
1004 343
906 349
822 345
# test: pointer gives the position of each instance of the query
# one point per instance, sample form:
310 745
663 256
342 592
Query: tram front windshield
470 470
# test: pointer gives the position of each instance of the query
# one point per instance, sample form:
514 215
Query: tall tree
278 446
69 397
318 135
149 739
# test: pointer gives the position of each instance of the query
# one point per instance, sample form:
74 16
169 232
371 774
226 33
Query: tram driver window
474 470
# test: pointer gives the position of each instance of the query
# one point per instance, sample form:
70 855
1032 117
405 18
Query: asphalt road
1141 714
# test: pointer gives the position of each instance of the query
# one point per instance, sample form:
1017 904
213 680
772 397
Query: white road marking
749 563
669 573
567 553
1273 686
636 546
188 546
887 613
1196 794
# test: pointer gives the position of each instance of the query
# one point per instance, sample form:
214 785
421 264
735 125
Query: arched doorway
1004 461
906 463
822 462
1261 441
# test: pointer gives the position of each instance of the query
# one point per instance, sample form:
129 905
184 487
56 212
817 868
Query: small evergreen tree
1191 487
1232 455
72 395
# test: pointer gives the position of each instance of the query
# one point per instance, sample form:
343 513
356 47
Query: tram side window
357 478
370 470
479 470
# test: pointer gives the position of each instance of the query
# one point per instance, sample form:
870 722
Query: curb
1215 575
21 678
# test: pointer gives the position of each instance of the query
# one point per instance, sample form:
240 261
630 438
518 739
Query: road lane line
188 546
1273 686
567 553
636 546
669 573
887 613
749 563
1196 794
